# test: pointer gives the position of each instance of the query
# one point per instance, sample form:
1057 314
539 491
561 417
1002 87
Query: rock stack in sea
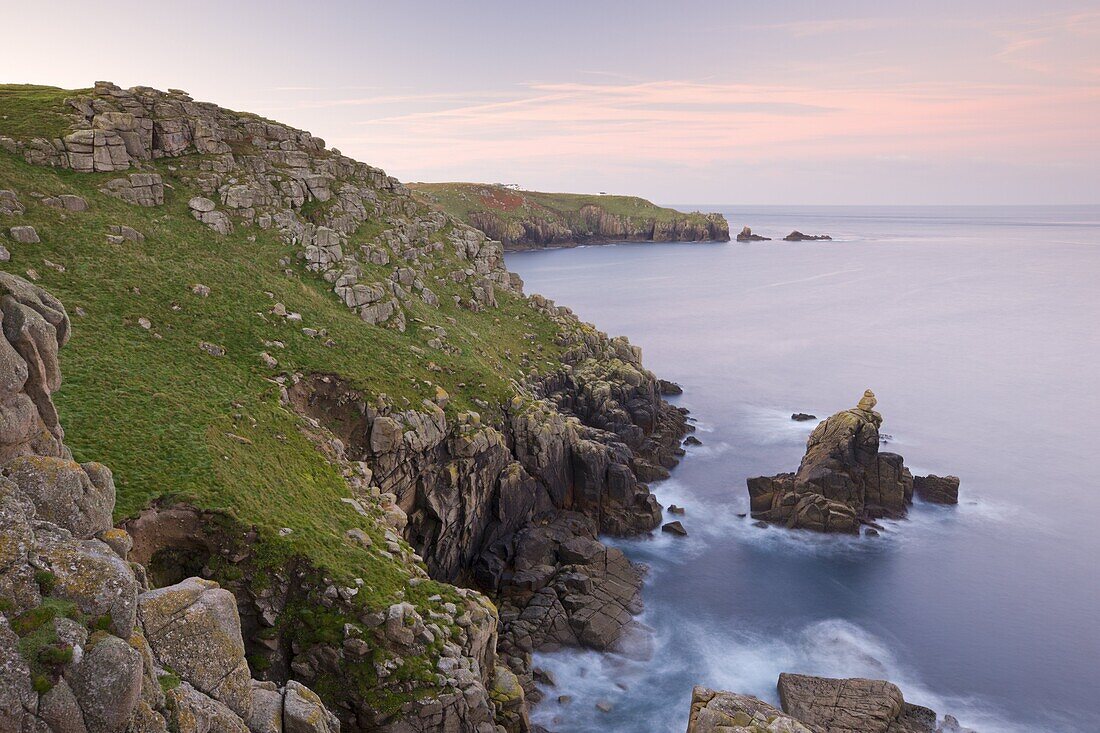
844 479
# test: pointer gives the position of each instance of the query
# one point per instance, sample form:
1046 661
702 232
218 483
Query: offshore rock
746 235
844 479
937 489
797 236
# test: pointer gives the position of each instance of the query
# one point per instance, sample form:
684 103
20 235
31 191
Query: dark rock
673 509
937 489
761 524
797 236
674 528
870 532
746 235
802 417
692 440
668 388
843 481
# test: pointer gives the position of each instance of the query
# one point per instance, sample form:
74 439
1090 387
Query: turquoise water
978 330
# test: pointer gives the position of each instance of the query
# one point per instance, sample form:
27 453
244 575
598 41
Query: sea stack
746 235
844 479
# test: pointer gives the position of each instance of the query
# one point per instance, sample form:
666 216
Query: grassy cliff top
172 421
463 199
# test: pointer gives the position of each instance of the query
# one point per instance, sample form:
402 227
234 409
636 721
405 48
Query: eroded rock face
852 706
844 479
84 663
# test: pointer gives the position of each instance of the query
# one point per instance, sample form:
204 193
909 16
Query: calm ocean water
979 330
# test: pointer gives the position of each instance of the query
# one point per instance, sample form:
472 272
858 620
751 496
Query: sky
839 102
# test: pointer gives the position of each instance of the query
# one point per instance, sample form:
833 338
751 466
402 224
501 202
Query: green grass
463 199
161 413
29 110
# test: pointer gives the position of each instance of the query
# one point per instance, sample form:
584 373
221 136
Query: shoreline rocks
844 479
815 705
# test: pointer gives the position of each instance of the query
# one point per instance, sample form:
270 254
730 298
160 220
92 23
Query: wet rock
692 440
674 528
802 417
673 509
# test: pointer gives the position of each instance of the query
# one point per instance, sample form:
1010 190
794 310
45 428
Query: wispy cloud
688 123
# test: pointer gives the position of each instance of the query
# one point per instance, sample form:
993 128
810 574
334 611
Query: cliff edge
533 220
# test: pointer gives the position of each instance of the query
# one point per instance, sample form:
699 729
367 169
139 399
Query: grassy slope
461 199
160 412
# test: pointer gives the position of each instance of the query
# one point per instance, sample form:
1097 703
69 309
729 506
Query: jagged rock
852 706
844 479
193 628
937 489
726 712
803 417
24 235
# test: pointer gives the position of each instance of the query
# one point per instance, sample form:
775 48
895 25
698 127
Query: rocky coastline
469 521
500 510
523 220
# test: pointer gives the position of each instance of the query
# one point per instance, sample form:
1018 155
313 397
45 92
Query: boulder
303 711
803 417
24 235
937 489
725 712
107 684
193 628
851 706
674 528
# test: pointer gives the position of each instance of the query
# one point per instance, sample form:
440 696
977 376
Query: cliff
326 397
531 219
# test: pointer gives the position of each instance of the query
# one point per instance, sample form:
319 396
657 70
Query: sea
978 328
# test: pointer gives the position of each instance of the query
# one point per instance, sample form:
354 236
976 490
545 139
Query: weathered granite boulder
726 712
843 480
852 706
24 235
194 629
